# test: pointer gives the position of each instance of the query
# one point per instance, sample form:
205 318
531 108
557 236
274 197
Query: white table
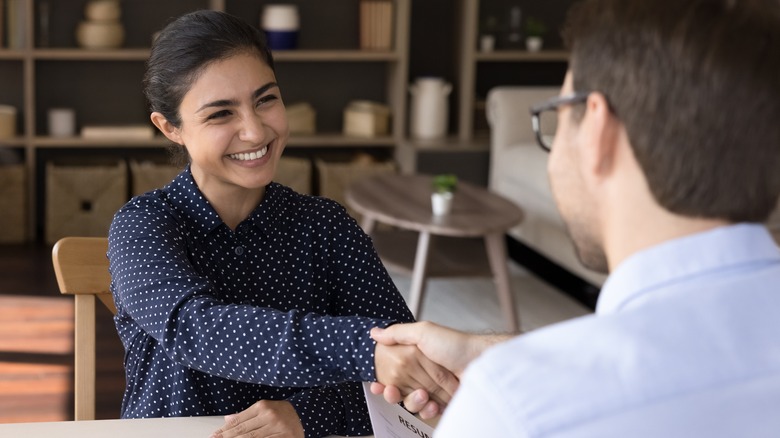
191 427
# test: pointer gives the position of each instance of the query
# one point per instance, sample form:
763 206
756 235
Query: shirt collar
270 214
678 259
189 200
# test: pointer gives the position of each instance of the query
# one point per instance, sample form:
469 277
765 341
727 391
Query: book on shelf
15 15
2 24
376 24
118 132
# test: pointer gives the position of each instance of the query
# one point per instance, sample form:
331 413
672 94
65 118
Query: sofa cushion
508 112
521 175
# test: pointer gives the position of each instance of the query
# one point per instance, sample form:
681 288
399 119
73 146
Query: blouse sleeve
177 307
359 279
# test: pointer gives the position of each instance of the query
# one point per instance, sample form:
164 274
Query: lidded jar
429 108
281 25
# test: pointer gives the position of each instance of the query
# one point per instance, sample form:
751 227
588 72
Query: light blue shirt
685 342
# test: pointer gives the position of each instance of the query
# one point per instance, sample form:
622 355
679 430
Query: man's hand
265 418
406 369
450 348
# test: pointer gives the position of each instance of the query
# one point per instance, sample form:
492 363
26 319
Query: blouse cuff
361 360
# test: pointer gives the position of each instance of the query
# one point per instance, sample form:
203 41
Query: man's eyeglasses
544 117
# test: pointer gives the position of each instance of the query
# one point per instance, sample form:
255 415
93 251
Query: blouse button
239 250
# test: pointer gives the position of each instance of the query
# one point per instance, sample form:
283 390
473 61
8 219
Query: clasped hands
421 364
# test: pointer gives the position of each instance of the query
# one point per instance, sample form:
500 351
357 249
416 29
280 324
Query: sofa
518 171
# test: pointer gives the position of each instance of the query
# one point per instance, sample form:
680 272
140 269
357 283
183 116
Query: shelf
79 142
449 144
324 140
142 54
11 54
522 56
340 140
335 55
91 55
12 142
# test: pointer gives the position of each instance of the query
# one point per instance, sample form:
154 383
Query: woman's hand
263 419
406 369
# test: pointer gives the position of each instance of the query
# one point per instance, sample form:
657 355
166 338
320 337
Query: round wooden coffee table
404 201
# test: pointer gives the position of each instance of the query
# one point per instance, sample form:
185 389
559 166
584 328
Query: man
665 161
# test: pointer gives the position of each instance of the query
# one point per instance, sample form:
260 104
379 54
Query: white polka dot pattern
213 320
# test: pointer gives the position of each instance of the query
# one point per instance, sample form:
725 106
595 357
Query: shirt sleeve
333 410
177 307
476 410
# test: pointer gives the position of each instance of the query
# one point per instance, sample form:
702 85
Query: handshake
421 363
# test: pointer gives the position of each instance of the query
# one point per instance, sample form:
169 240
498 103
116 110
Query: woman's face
233 125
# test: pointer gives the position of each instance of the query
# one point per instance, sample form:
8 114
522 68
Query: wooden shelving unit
39 66
521 56
470 58
466 151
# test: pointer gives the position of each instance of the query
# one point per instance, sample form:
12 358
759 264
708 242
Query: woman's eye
218 115
266 99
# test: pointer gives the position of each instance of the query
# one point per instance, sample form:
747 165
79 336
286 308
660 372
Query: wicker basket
294 173
334 178
82 200
148 175
13 203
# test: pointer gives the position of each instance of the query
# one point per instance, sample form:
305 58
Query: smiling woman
234 128
235 295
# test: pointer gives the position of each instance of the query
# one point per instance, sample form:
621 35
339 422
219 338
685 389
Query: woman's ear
166 127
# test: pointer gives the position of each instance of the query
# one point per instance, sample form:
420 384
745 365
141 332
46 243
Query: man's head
694 86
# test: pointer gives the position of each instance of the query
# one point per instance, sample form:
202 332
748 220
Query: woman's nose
252 128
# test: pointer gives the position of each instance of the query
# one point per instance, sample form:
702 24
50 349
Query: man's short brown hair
696 84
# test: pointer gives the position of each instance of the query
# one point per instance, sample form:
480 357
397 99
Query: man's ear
166 127
598 137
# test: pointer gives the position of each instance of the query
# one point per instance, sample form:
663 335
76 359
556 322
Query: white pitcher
430 111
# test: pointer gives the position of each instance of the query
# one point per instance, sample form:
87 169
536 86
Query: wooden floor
36 343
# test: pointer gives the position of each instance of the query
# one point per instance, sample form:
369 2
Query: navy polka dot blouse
213 320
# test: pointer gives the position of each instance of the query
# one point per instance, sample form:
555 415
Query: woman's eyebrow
260 91
229 102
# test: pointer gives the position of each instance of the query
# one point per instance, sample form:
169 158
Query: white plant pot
533 44
441 203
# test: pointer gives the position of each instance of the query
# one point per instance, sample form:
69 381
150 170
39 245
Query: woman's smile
250 156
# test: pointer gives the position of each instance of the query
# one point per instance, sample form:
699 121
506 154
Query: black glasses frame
553 104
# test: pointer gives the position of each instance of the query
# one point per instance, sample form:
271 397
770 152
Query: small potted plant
534 31
444 186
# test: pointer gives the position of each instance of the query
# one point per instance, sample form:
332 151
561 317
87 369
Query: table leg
496 251
419 273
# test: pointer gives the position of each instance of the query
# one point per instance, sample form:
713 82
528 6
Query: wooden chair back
81 266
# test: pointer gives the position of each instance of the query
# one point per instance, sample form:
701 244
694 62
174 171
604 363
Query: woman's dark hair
185 47
696 84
